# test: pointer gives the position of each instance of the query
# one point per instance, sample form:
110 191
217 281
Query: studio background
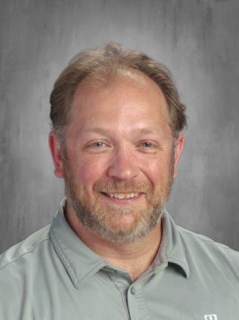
198 41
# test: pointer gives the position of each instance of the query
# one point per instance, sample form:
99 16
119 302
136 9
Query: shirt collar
172 248
69 248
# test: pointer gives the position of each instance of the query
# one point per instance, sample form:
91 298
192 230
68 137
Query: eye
147 144
148 147
97 144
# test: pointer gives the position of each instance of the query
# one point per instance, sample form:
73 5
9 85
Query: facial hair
103 219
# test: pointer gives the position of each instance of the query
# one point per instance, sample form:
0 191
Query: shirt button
132 290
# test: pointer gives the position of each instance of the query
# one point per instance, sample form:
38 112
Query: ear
54 144
178 145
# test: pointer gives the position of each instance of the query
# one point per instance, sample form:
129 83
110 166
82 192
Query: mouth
122 196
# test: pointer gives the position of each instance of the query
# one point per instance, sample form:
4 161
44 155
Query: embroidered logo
210 317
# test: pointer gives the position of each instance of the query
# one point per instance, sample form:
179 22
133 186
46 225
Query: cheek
88 171
157 170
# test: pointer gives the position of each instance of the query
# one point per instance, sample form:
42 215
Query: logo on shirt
210 317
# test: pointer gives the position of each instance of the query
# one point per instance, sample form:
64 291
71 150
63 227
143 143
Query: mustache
123 186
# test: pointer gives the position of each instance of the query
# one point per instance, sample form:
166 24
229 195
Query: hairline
95 80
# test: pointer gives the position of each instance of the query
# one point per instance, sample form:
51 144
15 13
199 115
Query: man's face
119 160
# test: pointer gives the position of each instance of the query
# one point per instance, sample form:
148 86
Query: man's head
101 65
117 120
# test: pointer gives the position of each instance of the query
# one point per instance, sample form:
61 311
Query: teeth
123 195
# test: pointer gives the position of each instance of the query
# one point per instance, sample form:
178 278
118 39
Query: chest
166 295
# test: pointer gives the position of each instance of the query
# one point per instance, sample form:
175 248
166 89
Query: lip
122 197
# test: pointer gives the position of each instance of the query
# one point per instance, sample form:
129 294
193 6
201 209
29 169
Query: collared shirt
53 275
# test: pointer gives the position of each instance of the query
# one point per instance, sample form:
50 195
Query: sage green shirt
52 275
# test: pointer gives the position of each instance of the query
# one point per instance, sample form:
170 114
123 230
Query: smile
122 195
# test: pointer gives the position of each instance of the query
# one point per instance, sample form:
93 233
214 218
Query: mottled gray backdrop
197 39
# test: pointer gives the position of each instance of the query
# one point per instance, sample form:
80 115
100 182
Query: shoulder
24 250
19 270
207 253
202 241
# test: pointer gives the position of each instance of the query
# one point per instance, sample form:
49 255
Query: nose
123 165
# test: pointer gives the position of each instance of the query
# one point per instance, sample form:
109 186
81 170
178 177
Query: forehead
125 99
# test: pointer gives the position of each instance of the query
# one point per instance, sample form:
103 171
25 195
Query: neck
133 257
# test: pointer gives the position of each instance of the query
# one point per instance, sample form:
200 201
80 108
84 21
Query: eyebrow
142 131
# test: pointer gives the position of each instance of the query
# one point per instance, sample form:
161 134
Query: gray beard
90 220
95 218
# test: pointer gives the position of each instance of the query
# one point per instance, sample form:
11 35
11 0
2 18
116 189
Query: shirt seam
204 238
24 253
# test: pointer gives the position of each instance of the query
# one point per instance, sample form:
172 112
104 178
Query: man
112 251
